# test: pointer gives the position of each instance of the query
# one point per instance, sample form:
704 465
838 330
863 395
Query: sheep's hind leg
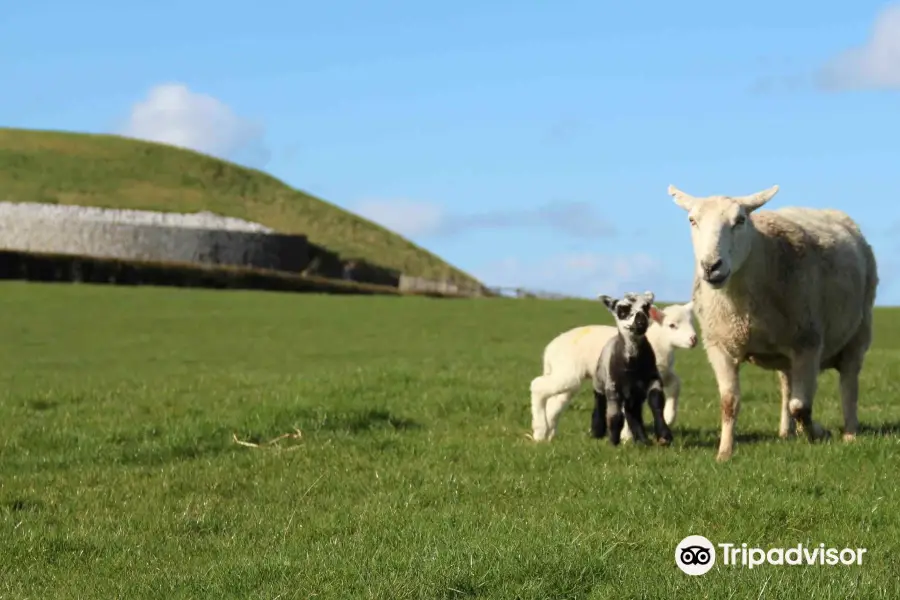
804 382
849 369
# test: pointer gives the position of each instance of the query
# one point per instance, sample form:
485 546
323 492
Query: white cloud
587 275
173 114
874 65
416 219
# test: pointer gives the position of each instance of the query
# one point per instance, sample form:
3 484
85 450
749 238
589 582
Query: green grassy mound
114 172
120 476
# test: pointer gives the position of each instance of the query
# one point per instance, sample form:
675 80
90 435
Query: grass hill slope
115 172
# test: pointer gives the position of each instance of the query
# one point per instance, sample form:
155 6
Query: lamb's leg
614 418
727 371
635 420
626 432
656 399
804 381
672 389
539 396
598 420
543 388
554 408
786 428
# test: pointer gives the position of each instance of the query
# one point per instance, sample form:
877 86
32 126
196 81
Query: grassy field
115 172
119 476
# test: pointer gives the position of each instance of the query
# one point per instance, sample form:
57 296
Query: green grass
119 477
115 172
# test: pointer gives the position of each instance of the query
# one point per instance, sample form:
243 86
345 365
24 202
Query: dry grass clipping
297 434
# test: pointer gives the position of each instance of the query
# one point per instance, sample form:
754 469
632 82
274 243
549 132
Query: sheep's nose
711 268
693 341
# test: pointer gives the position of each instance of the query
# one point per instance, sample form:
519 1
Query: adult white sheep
790 290
571 358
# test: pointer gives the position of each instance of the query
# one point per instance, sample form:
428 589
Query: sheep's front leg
615 420
726 370
598 419
656 399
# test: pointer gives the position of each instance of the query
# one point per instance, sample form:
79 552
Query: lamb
571 358
790 290
626 375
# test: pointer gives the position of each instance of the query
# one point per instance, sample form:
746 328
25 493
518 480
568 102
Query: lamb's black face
632 312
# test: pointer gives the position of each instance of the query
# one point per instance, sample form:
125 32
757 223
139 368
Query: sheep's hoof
849 437
664 441
723 456
820 434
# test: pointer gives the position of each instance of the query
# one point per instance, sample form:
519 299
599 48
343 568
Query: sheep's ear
690 306
754 201
682 199
608 301
657 315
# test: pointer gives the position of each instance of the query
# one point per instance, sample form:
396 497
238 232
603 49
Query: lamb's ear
656 314
608 301
689 306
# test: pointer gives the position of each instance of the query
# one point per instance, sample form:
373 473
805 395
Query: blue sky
527 144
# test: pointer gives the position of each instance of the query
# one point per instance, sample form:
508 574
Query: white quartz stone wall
146 235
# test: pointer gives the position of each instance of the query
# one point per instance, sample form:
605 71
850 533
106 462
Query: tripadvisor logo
696 555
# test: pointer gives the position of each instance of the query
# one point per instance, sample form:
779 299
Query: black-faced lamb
626 375
790 290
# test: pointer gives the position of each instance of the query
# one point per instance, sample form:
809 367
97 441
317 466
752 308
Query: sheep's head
677 324
632 313
721 231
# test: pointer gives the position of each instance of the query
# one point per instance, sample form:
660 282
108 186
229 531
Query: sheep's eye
672 326
623 311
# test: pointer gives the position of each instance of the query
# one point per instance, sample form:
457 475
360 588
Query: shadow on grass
359 421
709 438
41 405
22 505
884 430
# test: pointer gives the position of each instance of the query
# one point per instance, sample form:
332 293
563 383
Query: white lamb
571 358
789 290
